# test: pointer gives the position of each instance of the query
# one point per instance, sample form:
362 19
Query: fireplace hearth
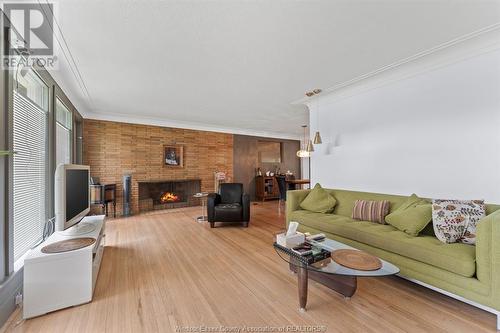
167 194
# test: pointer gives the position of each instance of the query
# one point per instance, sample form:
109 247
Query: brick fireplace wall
113 149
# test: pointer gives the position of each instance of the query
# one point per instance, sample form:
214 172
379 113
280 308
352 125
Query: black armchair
231 205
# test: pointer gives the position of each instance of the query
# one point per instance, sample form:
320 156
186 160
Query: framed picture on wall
269 151
173 156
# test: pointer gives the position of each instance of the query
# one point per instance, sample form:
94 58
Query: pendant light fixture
317 136
305 150
310 147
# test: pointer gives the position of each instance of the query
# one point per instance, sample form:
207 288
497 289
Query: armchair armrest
245 201
213 199
293 200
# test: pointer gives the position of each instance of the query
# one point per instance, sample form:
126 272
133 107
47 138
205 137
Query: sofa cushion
457 258
412 217
456 220
318 200
317 221
373 211
228 212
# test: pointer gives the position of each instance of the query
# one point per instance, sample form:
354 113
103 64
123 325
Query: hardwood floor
163 270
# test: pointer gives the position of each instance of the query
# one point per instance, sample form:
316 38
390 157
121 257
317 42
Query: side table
203 198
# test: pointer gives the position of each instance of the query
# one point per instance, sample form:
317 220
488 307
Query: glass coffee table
327 272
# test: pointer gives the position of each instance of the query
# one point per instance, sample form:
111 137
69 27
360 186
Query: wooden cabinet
266 188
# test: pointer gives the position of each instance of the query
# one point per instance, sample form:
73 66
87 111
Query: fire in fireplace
166 194
167 197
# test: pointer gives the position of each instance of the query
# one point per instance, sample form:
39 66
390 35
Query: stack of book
305 253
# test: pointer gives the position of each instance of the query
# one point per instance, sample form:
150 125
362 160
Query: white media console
60 280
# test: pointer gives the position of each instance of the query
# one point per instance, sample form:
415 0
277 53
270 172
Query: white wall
304 168
436 133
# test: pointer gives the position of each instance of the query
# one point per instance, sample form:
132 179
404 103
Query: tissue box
290 241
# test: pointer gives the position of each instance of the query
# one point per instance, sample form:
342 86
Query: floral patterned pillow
456 220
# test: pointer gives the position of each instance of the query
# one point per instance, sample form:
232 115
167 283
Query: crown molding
161 122
466 46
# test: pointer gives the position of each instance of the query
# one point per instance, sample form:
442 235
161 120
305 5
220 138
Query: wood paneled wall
246 160
113 149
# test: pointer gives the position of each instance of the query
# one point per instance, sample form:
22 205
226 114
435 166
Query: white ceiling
237 65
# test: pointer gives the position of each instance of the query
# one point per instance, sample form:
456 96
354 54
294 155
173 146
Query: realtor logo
31 34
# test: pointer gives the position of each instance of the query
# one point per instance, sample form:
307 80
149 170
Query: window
79 140
64 122
31 161
32 87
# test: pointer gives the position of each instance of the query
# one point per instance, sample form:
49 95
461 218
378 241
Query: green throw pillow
412 217
319 201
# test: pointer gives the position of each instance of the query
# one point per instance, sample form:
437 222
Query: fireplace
167 194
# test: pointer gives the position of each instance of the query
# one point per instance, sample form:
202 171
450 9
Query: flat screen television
72 196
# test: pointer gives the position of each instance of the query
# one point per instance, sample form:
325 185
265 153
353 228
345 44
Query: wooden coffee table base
343 284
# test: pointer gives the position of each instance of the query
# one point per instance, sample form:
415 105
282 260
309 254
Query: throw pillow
412 217
456 220
373 211
319 201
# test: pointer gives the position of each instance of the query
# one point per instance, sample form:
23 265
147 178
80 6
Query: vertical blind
64 120
30 173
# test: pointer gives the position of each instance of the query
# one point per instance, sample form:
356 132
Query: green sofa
466 272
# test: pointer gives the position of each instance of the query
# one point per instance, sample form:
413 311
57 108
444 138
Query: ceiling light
317 136
310 147
304 151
